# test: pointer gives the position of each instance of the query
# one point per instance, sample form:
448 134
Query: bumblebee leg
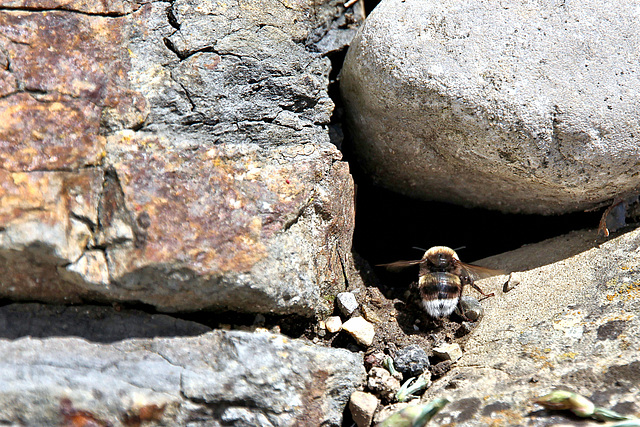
477 288
461 311
602 227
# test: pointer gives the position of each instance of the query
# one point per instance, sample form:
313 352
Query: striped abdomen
439 292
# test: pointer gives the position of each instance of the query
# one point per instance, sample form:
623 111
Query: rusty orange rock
130 173
37 135
197 220
77 81
46 220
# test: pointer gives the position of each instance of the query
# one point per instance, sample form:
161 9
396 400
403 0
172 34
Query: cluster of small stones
378 399
383 385
360 328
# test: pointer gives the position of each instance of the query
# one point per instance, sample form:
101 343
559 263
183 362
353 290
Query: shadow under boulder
93 323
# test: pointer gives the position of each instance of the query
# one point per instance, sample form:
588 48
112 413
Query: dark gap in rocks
336 134
369 5
107 323
171 18
389 225
94 322
182 55
291 325
169 45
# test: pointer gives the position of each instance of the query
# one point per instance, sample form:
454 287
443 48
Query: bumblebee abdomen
439 292
440 285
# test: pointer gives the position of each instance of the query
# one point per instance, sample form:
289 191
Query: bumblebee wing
478 273
399 264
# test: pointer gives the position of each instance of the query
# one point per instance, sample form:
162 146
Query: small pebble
333 324
466 328
370 315
374 359
382 383
441 368
360 329
450 352
362 406
411 361
472 308
347 303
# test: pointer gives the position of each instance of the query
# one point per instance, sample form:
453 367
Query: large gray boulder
515 106
219 378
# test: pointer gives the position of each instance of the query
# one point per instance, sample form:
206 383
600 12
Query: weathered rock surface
218 378
571 323
228 227
516 106
172 153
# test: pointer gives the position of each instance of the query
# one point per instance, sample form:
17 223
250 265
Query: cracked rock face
214 379
174 154
516 106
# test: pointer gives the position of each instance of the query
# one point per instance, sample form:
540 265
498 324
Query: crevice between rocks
35 9
83 219
389 225
171 18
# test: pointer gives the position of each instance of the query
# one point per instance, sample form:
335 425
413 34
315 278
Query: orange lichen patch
68 53
505 417
21 193
566 356
540 356
48 195
48 135
144 414
625 292
77 66
77 418
625 317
